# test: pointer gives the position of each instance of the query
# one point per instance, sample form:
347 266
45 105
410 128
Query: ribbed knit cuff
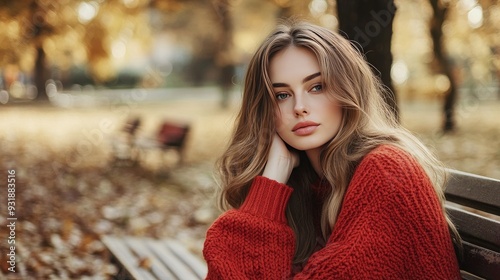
268 199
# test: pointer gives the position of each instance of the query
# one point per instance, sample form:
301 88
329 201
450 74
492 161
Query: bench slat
199 267
157 268
480 261
126 258
475 191
467 276
169 259
475 228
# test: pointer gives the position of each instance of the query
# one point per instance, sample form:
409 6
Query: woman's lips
304 128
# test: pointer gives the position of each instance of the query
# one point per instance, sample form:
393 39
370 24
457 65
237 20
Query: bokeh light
87 11
475 17
399 72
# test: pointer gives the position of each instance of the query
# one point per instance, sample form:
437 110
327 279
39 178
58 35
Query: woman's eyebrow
280 85
305 80
310 77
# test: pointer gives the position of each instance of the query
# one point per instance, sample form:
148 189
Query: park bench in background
132 147
472 201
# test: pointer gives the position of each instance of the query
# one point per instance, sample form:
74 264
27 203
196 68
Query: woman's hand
280 161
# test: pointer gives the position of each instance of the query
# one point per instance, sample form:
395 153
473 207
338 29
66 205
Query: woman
320 181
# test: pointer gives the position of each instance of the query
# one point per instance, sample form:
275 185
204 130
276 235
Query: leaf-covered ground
69 191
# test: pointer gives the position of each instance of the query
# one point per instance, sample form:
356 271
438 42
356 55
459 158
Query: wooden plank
170 260
475 191
467 276
129 261
141 248
198 266
475 228
480 261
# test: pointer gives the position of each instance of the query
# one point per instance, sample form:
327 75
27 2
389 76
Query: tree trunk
40 30
284 11
496 53
437 20
369 23
40 73
225 60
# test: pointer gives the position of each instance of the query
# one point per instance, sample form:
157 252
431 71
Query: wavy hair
367 122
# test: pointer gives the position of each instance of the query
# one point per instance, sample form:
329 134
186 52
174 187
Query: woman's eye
317 88
281 96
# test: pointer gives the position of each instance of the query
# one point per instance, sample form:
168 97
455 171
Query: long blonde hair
367 122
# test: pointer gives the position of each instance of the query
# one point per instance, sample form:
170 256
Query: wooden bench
473 203
132 146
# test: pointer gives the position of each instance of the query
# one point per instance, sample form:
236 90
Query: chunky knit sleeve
254 241
391 226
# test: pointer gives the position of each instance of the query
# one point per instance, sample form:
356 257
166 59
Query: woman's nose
300 107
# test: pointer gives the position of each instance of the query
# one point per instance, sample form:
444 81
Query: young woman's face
308 117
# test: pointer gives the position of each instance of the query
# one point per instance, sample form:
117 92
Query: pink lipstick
305 128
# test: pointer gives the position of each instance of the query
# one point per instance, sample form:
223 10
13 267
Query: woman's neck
313 156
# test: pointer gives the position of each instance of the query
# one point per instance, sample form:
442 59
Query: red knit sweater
390 226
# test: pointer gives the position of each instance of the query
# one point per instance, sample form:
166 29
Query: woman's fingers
281 161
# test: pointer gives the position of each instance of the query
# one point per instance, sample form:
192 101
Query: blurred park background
74 75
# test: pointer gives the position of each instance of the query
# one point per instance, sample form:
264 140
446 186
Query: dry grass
475 145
